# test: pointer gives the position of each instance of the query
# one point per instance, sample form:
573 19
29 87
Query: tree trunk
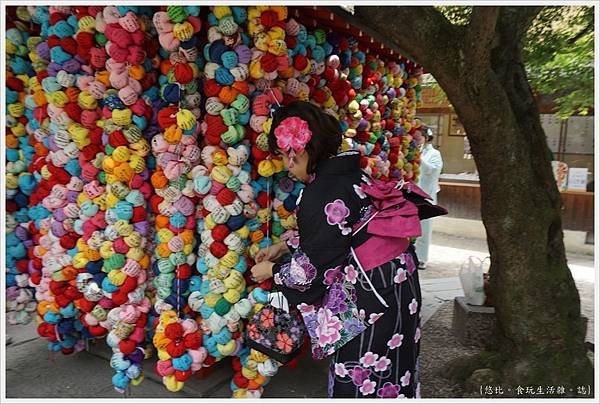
481 70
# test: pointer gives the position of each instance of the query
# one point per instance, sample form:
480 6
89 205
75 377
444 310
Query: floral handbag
276 332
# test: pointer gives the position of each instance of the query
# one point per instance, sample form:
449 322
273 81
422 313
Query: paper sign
578 178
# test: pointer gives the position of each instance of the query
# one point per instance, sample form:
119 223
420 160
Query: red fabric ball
268 62
129 285
166 116
209 361
291 41
218 249
85 305
69 45
21 266
73 110
55 18
376 149
183 73
176 348
174 331
226 197
268 18
320 96
240 381
259 154
183 271
139 214
85 40
127 346
215 126
62 300
119 298
329 75
68 241
47 330
117 138
182 375
262 199
90 151
97 330
59 175
36 278
236 364
300 62
148 80
219 232
211 88
142 320
362 136
72 293
53 40
14 84
193 340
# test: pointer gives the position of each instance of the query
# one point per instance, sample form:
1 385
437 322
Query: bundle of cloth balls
139 182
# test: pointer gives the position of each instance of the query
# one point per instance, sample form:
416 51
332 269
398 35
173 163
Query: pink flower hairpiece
292 134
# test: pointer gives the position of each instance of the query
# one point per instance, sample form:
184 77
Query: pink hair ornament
292 134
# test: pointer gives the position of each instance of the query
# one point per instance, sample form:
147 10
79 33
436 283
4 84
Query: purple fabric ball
71 66
72 196
21 233
52 144
142 228
54 68
136 356
57 229
59 215
43 50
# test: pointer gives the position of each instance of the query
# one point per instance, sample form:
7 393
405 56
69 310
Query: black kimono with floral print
336 299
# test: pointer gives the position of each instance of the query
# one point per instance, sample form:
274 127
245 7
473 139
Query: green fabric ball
222 307
116 261
102 177
101 39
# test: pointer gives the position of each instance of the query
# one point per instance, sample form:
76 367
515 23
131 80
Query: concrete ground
32 371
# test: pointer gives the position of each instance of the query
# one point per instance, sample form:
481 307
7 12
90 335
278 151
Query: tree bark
480 68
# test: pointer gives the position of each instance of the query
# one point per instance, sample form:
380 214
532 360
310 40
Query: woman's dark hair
326 130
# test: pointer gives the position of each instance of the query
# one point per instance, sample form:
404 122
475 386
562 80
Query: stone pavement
32 371
437 291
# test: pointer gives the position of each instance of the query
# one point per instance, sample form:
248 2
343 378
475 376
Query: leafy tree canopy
558 54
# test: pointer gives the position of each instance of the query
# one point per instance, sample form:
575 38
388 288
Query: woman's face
299 165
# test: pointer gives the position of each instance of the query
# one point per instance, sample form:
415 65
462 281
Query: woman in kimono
366 321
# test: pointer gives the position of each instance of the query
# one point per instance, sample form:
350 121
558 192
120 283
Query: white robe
431 168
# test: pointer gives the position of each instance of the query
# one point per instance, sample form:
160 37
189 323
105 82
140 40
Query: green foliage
558 53
559 57
457 15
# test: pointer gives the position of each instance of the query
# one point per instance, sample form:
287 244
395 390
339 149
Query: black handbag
276 332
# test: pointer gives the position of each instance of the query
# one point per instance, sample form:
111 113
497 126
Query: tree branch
589 27
480 34
515 21
423 33
512 25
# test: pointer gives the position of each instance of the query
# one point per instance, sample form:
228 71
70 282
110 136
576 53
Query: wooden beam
368 31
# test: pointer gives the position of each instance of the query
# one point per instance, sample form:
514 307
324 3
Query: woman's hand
271 253
262 271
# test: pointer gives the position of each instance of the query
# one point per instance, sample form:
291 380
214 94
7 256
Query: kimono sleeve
325 226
